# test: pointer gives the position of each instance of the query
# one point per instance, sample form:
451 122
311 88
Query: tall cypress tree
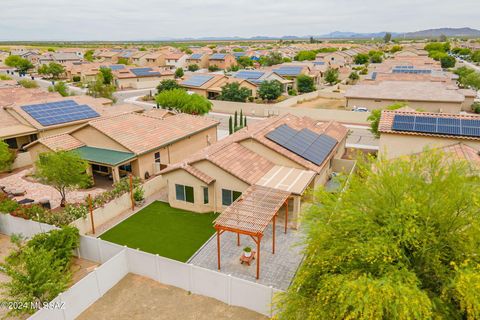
235 122
230 125
244 121
241 118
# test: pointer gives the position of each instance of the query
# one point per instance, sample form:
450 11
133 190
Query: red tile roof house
140 77
222 60
140 144
400 140
214 177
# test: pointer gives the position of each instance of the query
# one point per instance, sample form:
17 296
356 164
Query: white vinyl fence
116 261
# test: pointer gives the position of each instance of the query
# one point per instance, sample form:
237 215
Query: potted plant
138 196
247 252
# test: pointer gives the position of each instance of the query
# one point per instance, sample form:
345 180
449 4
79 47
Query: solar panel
218 56
440 125
249 74
197 80
52 113
374 75
196 56
144 72
305 143
117 67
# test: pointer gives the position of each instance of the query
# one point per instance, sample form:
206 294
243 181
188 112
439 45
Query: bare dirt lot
323 103
140 298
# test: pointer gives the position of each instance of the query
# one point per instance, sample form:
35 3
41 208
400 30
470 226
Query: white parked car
360 109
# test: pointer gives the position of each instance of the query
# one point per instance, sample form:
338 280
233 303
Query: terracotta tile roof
142 133
241 162
460 151
198 174
60 142
386 122
228 150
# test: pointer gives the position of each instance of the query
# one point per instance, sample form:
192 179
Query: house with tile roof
210 85
428 130
214 177
140 144
200 59
426 95
176 60
222 60
140 77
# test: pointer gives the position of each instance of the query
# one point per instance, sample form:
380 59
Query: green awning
104 156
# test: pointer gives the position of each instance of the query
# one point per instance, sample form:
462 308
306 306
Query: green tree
331 76
179 100
29 84
476 56
271 59
234 92
88 55
13 61
63 170
376 114
442 38
98 88
468 78
53 69
400 242
361 58
107 75
396 48
270 90
167 84
213 68
305 83
7 156
245 61
123 60
230 125
305 55
179 73
387 37
193 67
61 88
353 76
448 62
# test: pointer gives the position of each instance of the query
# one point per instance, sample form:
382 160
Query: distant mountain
449 32
353 35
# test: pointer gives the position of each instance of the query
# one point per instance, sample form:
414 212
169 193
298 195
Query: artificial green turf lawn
160 229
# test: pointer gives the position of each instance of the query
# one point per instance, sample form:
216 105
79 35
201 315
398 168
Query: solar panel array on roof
307 144
318 63
437 125
289 70
196 56
144 72
218 56
374 75
412 71
197 80
249 74
52 113
239 54
116 67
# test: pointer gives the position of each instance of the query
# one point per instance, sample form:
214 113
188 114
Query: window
229 196
184 193
98 168
205 195
12 143
157 157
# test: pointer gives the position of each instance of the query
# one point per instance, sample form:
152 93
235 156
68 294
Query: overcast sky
158 19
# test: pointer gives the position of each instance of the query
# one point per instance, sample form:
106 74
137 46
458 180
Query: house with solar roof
140 144
406 131
259 76
200 59
293 70
286 152
222 60
139 77
210 85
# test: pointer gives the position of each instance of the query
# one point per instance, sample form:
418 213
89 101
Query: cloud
150 19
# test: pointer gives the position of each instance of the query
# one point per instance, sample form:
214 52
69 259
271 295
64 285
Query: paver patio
36 191
276 270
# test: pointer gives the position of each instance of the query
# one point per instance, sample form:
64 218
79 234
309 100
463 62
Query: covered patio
250 215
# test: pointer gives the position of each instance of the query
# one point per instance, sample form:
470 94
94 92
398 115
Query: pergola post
218 248
286 215
259 238
273 233
238 239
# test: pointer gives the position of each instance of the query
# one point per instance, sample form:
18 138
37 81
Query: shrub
29 84
292 92
138 194
167 84
213 68
270 90
193 67
8 205
305 83
5 77
476 107
76 78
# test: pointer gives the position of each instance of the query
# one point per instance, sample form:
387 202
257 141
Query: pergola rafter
250 215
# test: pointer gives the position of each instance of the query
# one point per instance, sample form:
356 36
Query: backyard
163 230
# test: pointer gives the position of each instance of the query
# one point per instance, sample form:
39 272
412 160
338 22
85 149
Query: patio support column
115 174
273 235
238 239
286 215
218 248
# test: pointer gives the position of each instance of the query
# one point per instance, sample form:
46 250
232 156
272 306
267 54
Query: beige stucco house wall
140 82
430 106
395 145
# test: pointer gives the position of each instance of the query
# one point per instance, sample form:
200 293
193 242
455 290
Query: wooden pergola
250 215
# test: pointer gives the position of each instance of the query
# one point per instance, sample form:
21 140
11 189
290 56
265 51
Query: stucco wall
185 147
447 107
395 145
